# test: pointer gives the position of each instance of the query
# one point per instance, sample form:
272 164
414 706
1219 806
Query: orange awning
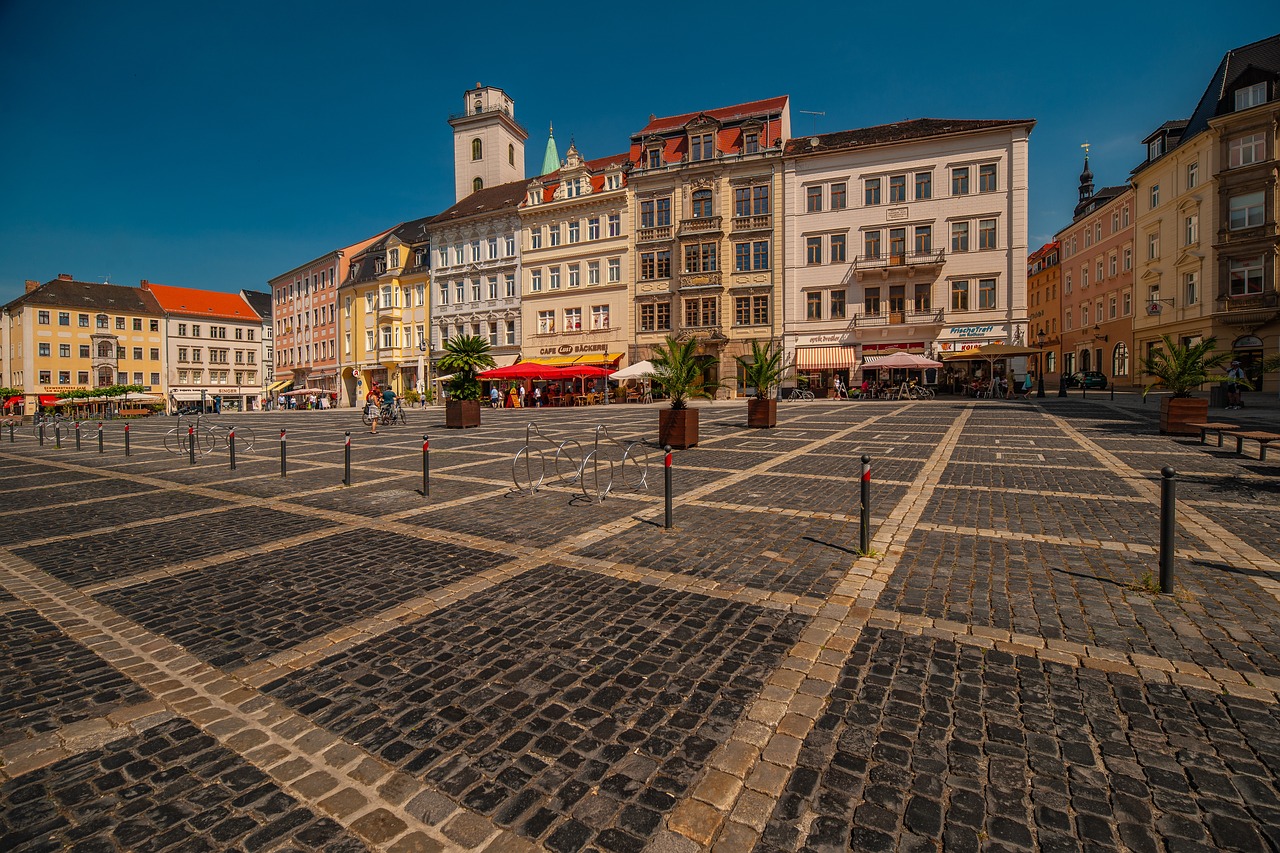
825 358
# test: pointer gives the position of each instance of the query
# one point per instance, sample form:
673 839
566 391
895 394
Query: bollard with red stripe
864 539
346 465
191 443
666 480
426 467
77 435
100 450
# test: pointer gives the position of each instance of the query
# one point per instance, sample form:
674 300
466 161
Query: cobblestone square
200 658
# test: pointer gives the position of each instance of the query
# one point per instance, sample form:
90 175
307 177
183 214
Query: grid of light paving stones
208 659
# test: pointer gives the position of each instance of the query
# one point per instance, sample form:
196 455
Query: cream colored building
575 262
706 193
910 236
488 142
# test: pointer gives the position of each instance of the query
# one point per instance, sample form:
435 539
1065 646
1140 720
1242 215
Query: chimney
144 284
65 276
31 285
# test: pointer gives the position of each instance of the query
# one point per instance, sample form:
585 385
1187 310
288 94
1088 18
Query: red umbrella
583 370
522 370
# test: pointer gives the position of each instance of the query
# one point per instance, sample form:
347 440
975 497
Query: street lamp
1040 338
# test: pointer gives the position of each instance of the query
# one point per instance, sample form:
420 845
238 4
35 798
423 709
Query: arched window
1120 360
701 204
105 377
511 154
477 149
477 185
106 349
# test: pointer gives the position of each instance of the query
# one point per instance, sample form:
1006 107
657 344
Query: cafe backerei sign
571 349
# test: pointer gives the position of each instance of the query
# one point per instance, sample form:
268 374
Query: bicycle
919 392
799 394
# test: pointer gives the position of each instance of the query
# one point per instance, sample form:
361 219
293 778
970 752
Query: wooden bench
1215 427
134 413
1263 439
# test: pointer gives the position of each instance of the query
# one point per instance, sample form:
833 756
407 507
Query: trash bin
1218 396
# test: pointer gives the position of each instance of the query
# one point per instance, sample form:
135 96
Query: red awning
13 401
49 399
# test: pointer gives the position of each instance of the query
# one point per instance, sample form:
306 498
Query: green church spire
550 160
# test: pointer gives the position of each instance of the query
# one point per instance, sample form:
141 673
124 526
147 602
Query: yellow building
385 313
66 335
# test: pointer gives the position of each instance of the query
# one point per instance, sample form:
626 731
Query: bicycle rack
579 470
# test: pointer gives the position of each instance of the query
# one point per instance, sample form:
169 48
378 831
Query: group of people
378 396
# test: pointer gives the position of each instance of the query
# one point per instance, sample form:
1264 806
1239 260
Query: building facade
1044 307
262 303
575 236
1098 299
488 142
706 189
67 335
1206 230
904 237
212 348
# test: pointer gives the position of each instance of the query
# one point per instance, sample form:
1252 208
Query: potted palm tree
764 371
677 370
1181 369
464 357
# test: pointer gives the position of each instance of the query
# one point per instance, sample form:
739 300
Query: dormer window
573 188
1155 148
750 143
653 158
702 146
612 182
1251 96
378 265
394 260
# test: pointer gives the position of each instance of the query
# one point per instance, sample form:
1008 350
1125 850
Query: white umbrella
635 371
444 378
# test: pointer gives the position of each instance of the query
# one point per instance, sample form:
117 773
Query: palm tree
765 369
465 356
1182 368
678 372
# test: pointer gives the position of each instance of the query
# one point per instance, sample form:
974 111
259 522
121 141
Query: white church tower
488 144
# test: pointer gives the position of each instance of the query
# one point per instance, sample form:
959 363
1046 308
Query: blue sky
217 145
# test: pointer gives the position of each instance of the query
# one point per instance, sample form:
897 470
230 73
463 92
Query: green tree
1182 368
765 369
464 357
677 370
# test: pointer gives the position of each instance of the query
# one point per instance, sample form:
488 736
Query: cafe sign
570 349
975 331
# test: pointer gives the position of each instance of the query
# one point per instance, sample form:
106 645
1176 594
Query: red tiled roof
201 303
595 170
738 111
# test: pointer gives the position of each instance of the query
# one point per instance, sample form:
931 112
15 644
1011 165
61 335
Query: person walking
1234 377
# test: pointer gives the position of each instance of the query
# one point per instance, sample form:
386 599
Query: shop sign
62 389
570 349
816 340
975 331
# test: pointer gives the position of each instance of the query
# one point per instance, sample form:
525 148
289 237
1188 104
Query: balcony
656 234
701 225
695 280
761 222
898 260
1254 309
911 317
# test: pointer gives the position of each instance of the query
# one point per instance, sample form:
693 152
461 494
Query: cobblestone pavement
196 658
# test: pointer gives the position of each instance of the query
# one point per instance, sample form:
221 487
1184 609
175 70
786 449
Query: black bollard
864 534
426 467
1062 385
191 444
126 441
100 439
231 446
666 482
57 436
40 432
11 432
346 462
77 435
283 469
1168 501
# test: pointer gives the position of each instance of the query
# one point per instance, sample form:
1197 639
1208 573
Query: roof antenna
815 114
106 279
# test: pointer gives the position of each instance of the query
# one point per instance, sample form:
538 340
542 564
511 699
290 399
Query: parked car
1088 379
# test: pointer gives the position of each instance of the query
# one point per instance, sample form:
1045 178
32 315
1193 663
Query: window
1155 196
924 239
1191 229
546 322
1120 360
1246 276
511 155
1084 276
511 333
84 350
897 189
475 290
702 146
655 265
43 349
987 178
509 285
574 272
871 245
444 293
702 204
120 323
615 270
813 305
615 224
702 311
986 293
553 234
510 247
871 191
839 196
1099 279
593 228
655 317
750 143
477 149
82 378
960 295
959 236
1191 287
654 158
836 302
553 278
137 353
1127 303
813 250
599 317
46 377
871 301
960 180
1245 211
1251 96
924 185
813 199
837 242
986 233
102 321
1193 175
64 318
1155 148
1153 246
593 272
575 231
700 257
82 320
573 319
1128 258
1246 150
1111 264
42 317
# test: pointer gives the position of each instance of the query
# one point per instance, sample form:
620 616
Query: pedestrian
537 397
1235 376
494 397
521 393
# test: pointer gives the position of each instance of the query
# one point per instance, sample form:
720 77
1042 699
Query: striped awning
563 360
279 386
825 358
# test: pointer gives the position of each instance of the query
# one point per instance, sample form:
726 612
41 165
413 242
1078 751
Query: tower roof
551 159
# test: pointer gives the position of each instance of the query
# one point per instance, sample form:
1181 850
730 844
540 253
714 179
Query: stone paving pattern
200 659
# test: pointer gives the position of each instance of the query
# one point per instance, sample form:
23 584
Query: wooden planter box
461 414
678 427
761 413
1177 412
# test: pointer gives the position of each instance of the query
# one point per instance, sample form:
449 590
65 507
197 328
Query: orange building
1044 308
